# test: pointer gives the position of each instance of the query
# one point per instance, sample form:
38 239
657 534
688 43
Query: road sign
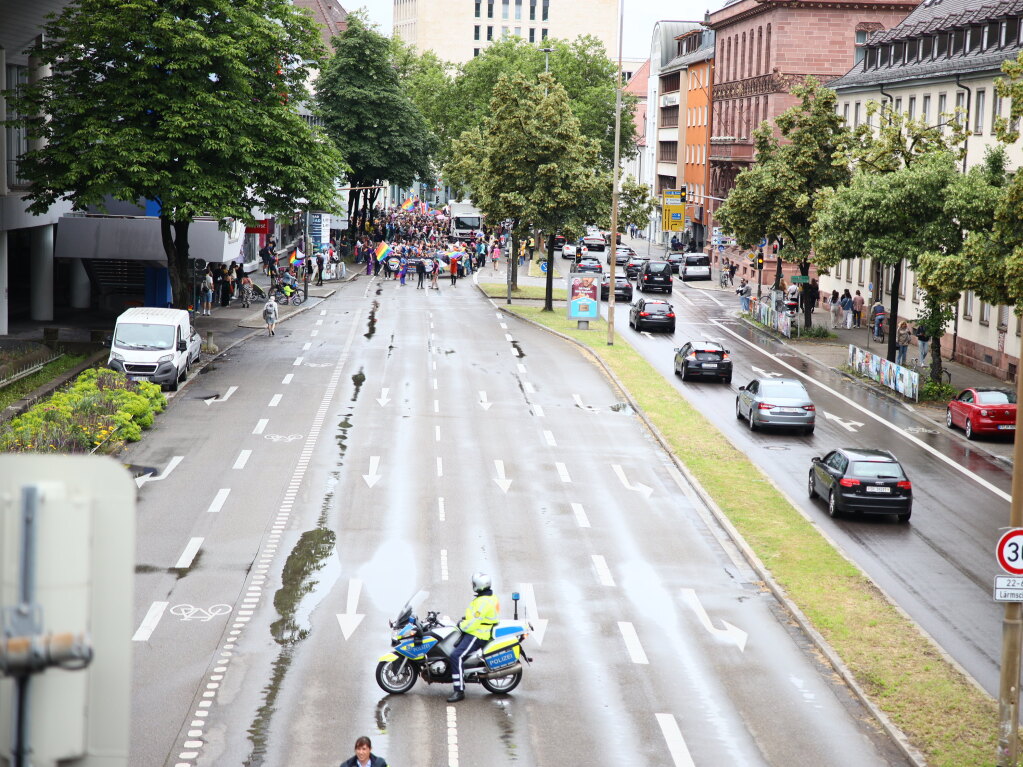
721 248
543 266
763 242
1009 551
800 278
1008 588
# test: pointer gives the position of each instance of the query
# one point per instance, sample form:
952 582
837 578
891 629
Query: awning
137 238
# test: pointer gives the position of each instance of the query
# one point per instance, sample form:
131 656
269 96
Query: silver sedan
781 402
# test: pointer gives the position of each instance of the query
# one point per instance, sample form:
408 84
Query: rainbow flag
408 204
382 250
296 255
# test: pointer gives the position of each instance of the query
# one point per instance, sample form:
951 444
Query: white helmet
480 582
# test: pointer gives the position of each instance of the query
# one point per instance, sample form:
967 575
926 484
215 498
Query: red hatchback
983 411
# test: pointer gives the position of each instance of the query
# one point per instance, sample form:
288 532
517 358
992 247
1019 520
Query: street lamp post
614 186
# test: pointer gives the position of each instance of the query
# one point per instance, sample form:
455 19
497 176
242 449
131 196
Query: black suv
706 359
652 313
654 275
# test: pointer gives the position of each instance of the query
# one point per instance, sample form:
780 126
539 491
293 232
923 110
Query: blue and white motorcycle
422 649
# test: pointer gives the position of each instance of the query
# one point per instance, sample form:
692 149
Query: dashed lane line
676 743
191 549
218 500
580 515
632 643
260 425
149 623
242 459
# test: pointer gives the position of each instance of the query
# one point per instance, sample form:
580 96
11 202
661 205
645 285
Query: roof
663 41
865 454
638 82
931 18
152 314
329 15
704 53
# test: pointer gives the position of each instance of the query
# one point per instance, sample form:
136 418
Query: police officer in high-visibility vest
477 628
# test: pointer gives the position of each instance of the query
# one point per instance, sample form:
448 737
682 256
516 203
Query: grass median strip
944 715
500 290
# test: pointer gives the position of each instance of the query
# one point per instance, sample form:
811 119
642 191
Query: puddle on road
623 407
380 288
391 347
371 323
518 349
342 437
358 380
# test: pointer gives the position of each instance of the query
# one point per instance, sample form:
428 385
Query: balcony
730 149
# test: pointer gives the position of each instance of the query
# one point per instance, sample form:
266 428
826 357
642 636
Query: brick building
765 47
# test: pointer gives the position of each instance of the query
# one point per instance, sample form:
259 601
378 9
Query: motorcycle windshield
411 606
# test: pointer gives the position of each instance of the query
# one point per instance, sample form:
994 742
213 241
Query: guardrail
29 369
877 368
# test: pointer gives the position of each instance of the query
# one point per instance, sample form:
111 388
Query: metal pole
1012 624
613 266
26 612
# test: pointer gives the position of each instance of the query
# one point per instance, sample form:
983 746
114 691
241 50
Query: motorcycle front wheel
395 678
502 685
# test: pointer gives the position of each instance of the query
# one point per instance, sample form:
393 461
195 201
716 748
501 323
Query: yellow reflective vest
481 617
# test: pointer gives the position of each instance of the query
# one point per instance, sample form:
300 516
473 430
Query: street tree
188 103
529 162
795 162
635 205
372 119
429 82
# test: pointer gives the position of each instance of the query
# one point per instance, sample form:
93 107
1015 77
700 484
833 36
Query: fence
903 380
763 312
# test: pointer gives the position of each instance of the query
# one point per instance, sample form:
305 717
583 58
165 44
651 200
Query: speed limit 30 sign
1009 551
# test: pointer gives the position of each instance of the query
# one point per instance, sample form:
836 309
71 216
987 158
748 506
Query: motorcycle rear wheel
393 678
502 685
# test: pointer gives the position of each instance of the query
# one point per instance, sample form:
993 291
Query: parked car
703 359
695 266
588 264
623 288
863 481
983 410
653 314
782 402
632 266
156 345
654 275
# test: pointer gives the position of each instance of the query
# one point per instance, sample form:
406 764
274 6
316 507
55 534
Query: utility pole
1012 625
613 265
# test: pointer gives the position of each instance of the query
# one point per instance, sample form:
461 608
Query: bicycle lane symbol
191 613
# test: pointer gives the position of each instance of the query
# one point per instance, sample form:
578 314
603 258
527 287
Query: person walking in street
836 310
403 269
857 309
364 756
453 264
420 273
902 338
477 629
435 273
846 302
923 342
270 317
319 268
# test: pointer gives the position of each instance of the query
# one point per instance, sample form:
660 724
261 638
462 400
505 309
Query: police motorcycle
422 648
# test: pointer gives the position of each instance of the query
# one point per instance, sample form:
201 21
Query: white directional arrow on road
382 399
849 425
530 613
140 481
373 477
483 401
731 633
349 620
646 491
766 374
502 482
227 395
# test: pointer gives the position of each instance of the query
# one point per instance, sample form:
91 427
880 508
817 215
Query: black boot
456 696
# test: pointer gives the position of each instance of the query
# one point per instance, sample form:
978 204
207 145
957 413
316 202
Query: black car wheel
904 517
752 423
969 429
727 379
832 505
811 489
808 431
738 410
685 372
948 418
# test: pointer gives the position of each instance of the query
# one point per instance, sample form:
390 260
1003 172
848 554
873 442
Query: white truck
157 345
466 220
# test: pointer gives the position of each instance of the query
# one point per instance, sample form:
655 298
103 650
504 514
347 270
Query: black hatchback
634 264
703 359
863 481
623 288
651 313
654 275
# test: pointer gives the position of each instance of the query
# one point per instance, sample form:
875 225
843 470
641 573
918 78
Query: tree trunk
175 244
548 299
893 311
513 254
353 232
935 352
804 269
373 194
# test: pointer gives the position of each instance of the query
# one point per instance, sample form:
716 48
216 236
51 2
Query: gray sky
640 16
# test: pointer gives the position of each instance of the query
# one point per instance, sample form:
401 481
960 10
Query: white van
157 345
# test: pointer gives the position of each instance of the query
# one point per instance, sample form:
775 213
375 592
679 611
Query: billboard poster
583 296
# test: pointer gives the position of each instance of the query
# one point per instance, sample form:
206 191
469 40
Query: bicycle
723 279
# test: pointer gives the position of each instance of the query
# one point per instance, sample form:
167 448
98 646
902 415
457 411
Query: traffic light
682 194
760 259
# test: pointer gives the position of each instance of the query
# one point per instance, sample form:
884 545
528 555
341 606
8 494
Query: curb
897 736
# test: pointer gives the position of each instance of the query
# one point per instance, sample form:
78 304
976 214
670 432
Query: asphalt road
939 567
390 439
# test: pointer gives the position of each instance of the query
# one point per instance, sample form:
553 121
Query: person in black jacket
364 756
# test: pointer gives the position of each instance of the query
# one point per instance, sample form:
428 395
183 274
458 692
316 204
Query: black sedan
623 288
651 313
675 259
633 266
863 481
588 264
703 359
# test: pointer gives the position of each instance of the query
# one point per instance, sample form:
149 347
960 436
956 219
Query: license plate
1007 426
787 410
878 489
138 378
710 364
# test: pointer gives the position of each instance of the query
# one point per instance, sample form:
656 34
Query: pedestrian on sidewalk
744 291
245 290
877 314
902 337
270 317
836 310
857 310
495 255
923 342
207 291
846 303
319 268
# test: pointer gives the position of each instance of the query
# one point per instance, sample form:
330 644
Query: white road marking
711 296
191 548
522 368
275 400
323 312
508 338
730 633
314 333
434 363
242 459
646 333
287 379
848 425
373 477
483 401
580 515
436 406
440 509
632 643
532 614
148 625
538 411
260 425
349 620
452 737
298 361
562 471
218 500
604 576
687 299
676 743
307 346
504 326
905 435
140 481
502 482
435 384
765 373
528 388
383 399
443 564
549 437
639 488
436 433
319 322
440 466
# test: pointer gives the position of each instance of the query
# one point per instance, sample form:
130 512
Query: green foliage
937 391
816 331
429 83
776 196
101 408
635 204
191 103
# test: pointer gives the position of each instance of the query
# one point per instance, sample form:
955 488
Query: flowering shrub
100 408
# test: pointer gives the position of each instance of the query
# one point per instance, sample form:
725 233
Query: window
767 50
968 305
504 32
845 112
17 136
478 8
957 43
475 52
546 14
490 12
941 45
669 117
925 109
942 105
1010 33
476 33
912 47
912 107
667 151
838 270
884 56
974 39
926 48
861 39
985 313
490 33
532 10
518 10
518 31
899 53
859 270
1003 318
760 50
856 115
898 106
978 113
532 34
543 35
996 109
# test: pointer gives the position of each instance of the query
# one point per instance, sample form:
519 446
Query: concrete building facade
697 60
943 56
458 31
